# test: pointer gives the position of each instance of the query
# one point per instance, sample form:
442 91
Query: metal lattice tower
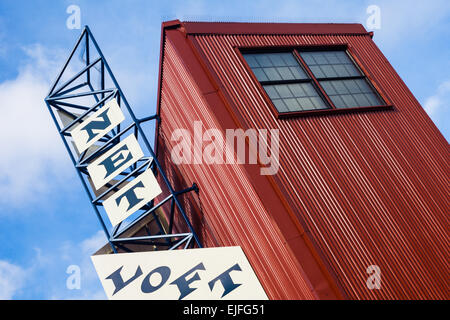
85 84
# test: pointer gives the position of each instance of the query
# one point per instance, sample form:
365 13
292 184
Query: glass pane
341 70
277 60
349 100
292 104
298 73
363 85
263 60
260 75
332 64
272 74
297 90
351 93
317 72
320 58
328 71
328 87
352 86
306 103
289 59
279 104
308 58
342 57
340 87
361 100
285 73
273 94
295 97
309 89
284 91
352 70
331 57
318 102
251 60
374 100
275 66
337 101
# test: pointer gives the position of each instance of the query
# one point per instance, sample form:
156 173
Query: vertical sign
134 194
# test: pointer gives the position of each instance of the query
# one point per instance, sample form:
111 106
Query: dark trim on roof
171 24
233 28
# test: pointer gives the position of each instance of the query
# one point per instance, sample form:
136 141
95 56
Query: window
285 81
346 86
312 80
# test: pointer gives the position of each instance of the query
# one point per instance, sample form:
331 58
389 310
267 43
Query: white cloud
46 273
33 158
438 108
438 104
80 255
12 278
90 245
406 21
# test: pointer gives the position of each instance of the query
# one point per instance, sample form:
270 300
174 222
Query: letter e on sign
114 161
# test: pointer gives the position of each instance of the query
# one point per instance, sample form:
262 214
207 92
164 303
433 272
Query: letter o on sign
147 287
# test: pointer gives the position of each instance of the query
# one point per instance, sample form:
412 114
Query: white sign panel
132 197
111 163
97 125
207 274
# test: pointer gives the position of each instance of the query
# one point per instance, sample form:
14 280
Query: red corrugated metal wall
368 188
231 210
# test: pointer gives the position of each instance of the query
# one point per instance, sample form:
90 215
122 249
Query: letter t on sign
225 279
132 197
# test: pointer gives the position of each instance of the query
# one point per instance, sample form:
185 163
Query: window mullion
314 80
274 82
341 78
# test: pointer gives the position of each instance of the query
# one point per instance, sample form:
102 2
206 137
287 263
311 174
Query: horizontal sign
131 197
114 161
207 273
97 125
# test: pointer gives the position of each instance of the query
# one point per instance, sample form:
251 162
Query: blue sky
46 222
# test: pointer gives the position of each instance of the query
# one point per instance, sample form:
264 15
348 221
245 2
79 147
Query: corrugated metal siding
231 210
372 188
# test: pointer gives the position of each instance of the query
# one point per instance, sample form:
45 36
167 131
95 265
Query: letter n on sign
97 125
